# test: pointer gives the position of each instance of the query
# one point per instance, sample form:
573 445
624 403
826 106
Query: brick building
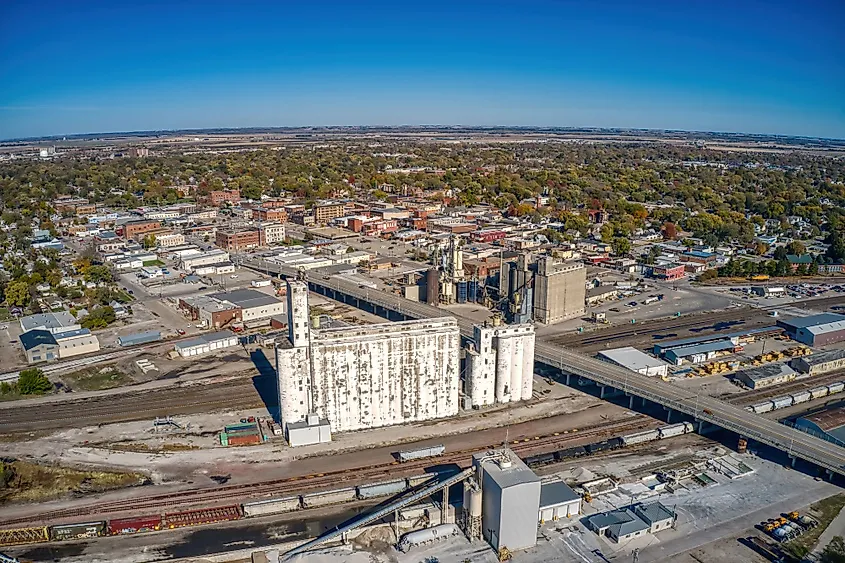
238 240
219 197
133 229
326 211
269 214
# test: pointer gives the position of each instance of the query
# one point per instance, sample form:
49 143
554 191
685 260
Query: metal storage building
511 499
207 343
139 338
39 346
816 330
634 360
697 353
660 349
820 362
765 376
312 430
558 500
51 322
829 424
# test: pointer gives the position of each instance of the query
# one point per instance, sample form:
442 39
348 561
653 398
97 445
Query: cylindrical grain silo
504 361
528 366
516 366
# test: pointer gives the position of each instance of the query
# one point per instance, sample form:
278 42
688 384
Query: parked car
632 304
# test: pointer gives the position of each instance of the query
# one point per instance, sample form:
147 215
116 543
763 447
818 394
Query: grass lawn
824 511
149 263
32 482
5 316
94 379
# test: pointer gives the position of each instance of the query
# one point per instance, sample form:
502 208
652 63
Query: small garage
558 500
206 344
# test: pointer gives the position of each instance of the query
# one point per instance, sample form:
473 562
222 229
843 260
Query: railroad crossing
796 444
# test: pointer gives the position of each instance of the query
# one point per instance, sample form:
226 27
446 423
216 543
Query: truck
651 300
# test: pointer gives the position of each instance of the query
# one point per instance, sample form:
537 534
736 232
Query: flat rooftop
823 357
555 493
711 337
812 320
761 373
516 474
632 358
245 298
205 339
48 320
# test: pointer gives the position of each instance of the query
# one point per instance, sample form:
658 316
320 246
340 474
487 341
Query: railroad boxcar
383 489
326 498
782 402
765 406
570 453
420 479
19 536
420 453
271 506
135 525
819 392
835 387
539 459
801 397
78 531
202 516
640 437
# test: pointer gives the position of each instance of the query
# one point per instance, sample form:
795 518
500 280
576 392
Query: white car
234 276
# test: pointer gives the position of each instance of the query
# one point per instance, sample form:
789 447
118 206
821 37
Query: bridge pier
568 375
701 426
668 415
601 391
631 402
792 461
444 516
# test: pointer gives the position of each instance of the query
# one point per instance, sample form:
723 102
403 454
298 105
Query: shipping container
328 498
243 439
421 453
202 516
819 392
78 531
801 397
765 406
135 525
20 536
640 437
782 402
835 387
384 489
139 338
272 506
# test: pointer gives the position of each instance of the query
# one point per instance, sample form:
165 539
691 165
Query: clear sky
773 66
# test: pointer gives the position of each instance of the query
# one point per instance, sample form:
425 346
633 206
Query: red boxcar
202 516
135 525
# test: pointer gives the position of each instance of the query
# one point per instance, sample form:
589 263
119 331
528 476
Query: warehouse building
736 338
39 346
635 360
816 330
192 261
366 377
511 499
206 344
765 376
820 362
828 424
244 305
698 353
51 322
500 364
76 342
558 500
628 523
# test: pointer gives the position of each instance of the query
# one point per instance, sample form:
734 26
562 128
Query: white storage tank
528 367
504 360
427 536
517 358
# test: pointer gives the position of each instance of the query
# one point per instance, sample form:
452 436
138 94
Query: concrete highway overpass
796 444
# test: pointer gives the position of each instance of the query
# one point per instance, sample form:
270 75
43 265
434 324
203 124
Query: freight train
255 509
612 444
797 398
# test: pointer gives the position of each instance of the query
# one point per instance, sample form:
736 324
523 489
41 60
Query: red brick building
219 197
239 240
671 272
267 214
132 229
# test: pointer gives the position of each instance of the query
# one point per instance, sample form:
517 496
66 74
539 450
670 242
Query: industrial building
41 345
220 309
558 500
628 523
829 424
312 430
366 377
702 348
510 501
635 360
816 330
193 261
51 322
765 376
206 343
500 364
820 362
559 291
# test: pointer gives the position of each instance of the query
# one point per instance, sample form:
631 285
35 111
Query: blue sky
774 66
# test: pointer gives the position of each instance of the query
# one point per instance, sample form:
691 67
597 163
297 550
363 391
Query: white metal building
206 343
51 322
204 259
500 364
635 360
558 500
76 342
367 377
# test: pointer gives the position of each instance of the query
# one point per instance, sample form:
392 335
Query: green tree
780 253
101 317
149 241
796 247
621 246
33 382
834 552
99 274
17 293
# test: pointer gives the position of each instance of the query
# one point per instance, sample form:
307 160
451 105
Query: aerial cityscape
388 322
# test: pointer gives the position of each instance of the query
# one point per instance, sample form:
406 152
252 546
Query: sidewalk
836 528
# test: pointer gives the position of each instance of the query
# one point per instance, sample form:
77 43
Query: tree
780 253
17 293
100 317
99 274
761 248
621 246
33 382
834 552
796 247
149 241
670 231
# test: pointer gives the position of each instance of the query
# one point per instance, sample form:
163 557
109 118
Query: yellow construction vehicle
505 554
588 498
793 515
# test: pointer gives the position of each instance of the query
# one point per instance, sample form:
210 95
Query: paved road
795 443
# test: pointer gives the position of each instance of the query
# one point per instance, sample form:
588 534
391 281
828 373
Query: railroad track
752 397
304 483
